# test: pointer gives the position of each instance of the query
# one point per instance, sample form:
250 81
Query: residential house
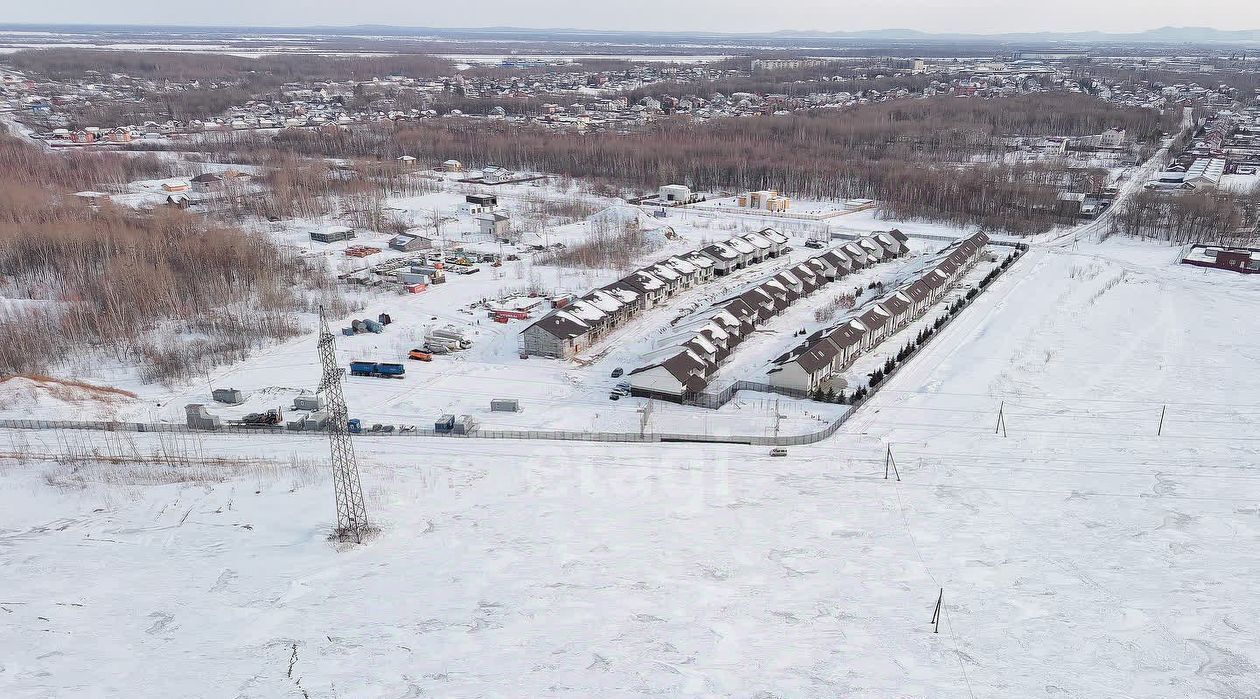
678 377
725 259
558 334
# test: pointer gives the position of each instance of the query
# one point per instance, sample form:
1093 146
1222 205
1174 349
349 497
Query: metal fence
720 398
555 435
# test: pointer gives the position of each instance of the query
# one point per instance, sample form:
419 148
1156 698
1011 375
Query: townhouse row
571 328
832 349
701 344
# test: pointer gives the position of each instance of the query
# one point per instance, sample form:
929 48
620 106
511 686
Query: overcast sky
971 16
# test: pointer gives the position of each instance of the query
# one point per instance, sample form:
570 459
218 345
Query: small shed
674 193
309 401
505 405
231 396
410 242
199 419
207 182
333 234
494 224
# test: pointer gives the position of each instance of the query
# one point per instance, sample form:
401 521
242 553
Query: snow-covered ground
1080 555
554 395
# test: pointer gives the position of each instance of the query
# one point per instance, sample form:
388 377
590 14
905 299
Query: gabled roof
873 247
740 309
701 343
804 272
933 279
742 246
562 325
586 312
623 292
838 259
603 300
874 318
644 280
681 266
896 304
900 237
719 251
919 290
819 355
773 236
847 334
700 260
664 271
859 254
757 240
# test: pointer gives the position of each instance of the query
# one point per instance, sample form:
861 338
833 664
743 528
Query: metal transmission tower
352 522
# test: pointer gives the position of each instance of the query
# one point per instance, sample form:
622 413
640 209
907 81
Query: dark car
617 372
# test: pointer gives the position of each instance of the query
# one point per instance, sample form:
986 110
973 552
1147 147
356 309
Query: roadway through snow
1137 178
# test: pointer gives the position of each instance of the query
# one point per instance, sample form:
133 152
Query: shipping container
377 369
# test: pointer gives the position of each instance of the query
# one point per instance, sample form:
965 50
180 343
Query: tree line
270 70
167 291
906 154
1214 216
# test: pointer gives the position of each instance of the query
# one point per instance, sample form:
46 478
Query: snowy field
1080 555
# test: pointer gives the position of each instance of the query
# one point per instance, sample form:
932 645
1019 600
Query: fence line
556 435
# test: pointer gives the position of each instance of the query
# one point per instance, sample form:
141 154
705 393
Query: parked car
617 372
614 396
420 355
815 244
778 451
622 390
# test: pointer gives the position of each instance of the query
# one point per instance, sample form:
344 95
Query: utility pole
936 615
1001 421
1160 431
352 521
890 461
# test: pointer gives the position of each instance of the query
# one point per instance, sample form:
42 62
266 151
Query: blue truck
383 370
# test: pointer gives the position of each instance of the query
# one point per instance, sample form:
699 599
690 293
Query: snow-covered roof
682 265
757 240
665 272
586 311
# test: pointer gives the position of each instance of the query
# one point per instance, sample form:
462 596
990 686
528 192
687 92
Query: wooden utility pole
889 461
1001 421
1160 431
936 615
